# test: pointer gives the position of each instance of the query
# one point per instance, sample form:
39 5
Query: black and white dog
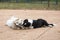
16 23
36 23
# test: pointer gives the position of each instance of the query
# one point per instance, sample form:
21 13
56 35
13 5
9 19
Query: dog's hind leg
47 24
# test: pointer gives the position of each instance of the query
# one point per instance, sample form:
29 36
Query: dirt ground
44 33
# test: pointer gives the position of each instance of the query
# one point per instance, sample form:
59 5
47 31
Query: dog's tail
51 25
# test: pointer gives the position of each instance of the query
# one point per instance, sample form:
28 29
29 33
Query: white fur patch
54 24
51 25
31 27
30 20
10 21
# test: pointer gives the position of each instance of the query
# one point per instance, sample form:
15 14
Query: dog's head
26 23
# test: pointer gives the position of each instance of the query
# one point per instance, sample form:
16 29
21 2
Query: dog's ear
26 20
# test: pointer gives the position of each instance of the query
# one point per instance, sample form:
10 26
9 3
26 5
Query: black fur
42 22
36 23
26 23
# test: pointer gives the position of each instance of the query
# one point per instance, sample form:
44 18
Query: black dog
36 23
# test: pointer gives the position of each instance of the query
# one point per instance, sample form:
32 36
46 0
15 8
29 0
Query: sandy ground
47 33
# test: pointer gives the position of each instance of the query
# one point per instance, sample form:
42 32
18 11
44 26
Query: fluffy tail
50 25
